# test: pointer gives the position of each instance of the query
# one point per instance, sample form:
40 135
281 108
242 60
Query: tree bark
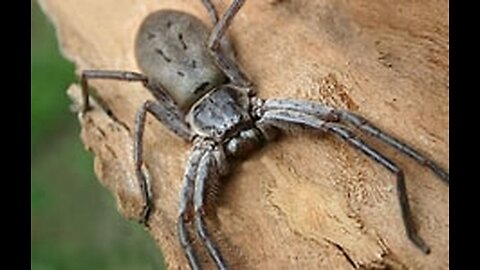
306 201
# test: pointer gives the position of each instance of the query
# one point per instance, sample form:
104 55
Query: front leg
208 173
330 114
205 165
286 114
184 215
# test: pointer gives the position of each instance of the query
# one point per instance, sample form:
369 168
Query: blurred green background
74 221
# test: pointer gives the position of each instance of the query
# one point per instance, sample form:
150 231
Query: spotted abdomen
171 49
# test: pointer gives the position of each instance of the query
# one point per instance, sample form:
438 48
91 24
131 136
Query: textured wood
305 202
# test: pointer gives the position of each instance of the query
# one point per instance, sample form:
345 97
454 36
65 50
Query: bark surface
306 201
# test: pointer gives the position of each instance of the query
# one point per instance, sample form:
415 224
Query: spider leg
226 46
357 143
165 110
105 74
202 169
212 11
184 216
374 131
208 172
287 117
286 114
169 119
328 113
217 44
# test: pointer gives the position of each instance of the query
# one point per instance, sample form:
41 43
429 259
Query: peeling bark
305 202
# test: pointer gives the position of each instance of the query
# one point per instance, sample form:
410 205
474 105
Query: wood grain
305 202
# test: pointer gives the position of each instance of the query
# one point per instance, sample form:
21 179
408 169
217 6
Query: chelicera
202 96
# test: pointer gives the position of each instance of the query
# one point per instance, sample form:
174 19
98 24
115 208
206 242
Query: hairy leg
290 115
364 125
330 114
169 119
357 143
208 173
206 164
212 11
105 74
184 216
218 42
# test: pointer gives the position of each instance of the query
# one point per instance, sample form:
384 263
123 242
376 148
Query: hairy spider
203 97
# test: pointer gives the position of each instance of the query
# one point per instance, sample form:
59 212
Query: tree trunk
307 201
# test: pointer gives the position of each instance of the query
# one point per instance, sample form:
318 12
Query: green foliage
74 221
50 76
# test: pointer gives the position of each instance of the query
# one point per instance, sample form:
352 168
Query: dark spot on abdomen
159 51
180 37
201 87
150 35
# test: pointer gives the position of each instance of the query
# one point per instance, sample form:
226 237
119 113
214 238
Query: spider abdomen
171 50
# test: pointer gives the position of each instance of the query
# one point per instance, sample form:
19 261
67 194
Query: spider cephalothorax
203 97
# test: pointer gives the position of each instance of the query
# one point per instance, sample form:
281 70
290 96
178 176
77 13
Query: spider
203 96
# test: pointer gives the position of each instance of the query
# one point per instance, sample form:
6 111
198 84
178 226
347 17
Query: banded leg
357 143
226 46
169 119
212 11
286 119
364 125
203 168
216 44
105 74
328 113
208 173
184 216
286 114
